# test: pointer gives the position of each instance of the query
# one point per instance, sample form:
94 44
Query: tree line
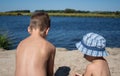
18 11
67 10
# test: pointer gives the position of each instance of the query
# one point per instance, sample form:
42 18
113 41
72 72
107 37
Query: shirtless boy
93 48
35 55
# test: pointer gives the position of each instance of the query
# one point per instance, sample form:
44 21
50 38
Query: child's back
32 56
35 55
98 68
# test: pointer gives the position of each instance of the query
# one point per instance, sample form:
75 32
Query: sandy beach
66 62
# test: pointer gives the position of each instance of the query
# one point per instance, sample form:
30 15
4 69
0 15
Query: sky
84 5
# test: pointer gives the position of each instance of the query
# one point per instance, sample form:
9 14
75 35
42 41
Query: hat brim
91 52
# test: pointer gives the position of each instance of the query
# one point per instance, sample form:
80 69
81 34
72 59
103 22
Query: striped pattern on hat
92 44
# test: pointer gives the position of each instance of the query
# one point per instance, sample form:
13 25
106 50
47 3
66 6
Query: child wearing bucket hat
93 47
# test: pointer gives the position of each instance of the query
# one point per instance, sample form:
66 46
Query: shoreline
112 15
68 61
60 49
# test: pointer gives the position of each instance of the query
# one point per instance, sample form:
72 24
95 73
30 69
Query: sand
66 62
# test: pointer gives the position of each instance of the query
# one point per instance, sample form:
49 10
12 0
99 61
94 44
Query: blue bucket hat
92 44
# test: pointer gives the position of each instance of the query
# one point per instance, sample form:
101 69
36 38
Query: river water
64 31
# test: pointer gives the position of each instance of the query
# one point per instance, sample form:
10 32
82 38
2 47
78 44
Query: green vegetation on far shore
67 12
112 15
84 15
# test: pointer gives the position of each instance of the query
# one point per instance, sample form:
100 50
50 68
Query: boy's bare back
97 68
35 55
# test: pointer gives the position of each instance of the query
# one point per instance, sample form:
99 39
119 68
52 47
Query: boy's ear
47 30
29 30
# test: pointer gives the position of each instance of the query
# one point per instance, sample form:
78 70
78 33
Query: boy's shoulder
50 46
24 43
46 45
21 44
89 70
36 44
91 66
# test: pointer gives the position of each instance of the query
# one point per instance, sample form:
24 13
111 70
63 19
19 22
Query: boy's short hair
39 20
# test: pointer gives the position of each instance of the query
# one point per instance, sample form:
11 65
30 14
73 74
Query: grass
13 14
4 42
84 15
112 15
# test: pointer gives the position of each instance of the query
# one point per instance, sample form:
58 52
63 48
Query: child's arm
50 68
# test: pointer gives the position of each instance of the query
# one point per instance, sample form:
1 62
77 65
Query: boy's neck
98 59
37 34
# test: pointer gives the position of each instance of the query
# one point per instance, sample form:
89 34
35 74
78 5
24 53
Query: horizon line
62 10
